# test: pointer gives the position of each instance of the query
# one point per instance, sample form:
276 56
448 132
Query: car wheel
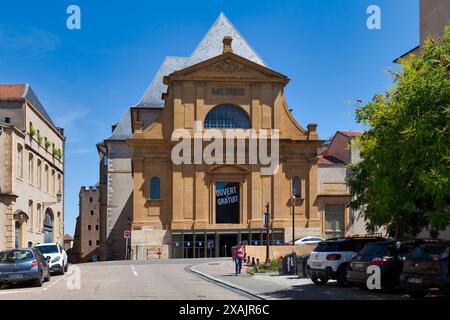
38 281
66 267
417 294
342 277
47 278
319 281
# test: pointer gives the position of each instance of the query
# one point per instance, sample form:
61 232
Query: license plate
358 265
15 276
415 280
317 264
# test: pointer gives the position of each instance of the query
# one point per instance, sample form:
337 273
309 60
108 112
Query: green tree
403 179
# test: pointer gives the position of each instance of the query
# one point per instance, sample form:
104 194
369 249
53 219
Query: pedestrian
238 256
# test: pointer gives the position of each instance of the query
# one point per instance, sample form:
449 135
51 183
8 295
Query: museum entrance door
226 242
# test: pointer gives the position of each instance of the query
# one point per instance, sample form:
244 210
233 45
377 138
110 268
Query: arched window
39 174
155 188
48 226
227 116
296 187
31 215
19 161
39 217
30 168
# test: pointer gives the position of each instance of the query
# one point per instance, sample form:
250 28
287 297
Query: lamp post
293 218
267 264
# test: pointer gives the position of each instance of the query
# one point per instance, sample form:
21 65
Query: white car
330 258
58 257
307 240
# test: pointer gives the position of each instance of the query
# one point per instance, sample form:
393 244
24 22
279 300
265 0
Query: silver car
23 265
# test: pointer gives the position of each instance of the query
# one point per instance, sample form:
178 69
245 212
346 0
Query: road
180 279
121 280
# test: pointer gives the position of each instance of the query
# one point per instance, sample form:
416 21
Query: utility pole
267 264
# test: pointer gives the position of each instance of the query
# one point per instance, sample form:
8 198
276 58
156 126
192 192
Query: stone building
31 170
200 209
86 246
333 194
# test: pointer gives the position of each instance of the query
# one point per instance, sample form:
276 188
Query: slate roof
23 91
210 46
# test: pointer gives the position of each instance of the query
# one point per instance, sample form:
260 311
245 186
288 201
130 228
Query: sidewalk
274 287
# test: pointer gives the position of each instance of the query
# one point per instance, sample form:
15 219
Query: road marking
134 271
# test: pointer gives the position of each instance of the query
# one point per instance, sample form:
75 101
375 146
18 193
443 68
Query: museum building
200 209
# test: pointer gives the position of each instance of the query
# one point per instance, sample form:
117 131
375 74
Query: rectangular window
96 227
90 199
19 161
59 183
39 173
97 243
89 227
52 182
227 202
30 168
92 212
90 243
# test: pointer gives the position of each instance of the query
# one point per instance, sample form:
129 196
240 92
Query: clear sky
87 78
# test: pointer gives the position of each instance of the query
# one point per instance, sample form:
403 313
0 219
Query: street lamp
293 198
266 215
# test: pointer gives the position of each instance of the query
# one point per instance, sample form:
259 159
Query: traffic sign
127 234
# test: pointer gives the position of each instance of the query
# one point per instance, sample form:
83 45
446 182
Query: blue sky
87 78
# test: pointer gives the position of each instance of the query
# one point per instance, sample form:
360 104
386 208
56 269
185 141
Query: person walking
238 256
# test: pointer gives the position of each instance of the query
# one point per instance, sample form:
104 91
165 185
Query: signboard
127 234
290 264
227 202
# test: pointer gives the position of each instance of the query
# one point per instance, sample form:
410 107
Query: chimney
227 44
312 133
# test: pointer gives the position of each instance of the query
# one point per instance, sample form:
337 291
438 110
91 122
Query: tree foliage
403 179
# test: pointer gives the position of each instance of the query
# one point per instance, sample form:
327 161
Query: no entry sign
127 234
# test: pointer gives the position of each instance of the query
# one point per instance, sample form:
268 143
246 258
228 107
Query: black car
426 270
388 255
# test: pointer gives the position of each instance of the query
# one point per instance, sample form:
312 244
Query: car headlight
56 259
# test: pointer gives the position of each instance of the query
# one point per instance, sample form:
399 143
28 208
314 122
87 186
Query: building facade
86 245
337 220
194 209
31 171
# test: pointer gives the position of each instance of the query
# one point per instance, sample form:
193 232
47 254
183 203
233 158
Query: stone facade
86 246
32 171
182 221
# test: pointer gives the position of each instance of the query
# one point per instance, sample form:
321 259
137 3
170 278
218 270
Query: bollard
253 261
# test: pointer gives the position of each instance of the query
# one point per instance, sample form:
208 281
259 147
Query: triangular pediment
228 65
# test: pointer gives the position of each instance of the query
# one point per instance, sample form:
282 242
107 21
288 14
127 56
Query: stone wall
259 252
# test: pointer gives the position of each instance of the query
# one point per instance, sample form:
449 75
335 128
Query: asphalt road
164 279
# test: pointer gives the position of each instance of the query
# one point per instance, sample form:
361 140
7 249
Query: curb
225 283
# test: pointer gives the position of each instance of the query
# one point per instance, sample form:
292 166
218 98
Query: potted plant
39 138
32 131
47 144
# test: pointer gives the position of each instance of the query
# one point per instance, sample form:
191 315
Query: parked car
58 256
427 270
23 265
330 258
388 255
310 240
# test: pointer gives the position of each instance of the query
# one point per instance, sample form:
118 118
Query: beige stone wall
275 252
89 236
32 186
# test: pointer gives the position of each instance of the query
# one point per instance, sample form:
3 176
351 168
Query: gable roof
23 92
209 47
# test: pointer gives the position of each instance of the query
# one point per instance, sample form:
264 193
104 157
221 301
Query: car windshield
332 247
373 250
426 251
16 256
51 248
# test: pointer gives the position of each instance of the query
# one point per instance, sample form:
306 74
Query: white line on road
134 271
